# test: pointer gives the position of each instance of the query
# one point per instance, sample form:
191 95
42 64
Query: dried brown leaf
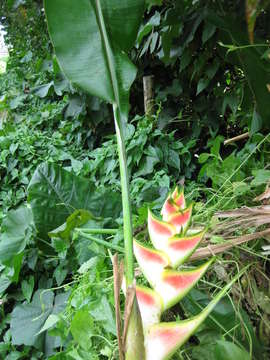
264 196
220 248
130 296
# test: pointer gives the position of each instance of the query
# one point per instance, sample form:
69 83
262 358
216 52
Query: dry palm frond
238 220
230 243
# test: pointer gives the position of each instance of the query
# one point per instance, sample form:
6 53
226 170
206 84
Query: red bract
174 244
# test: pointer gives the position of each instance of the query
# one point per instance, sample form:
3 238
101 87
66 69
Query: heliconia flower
150 305
181 219
165 338
169 208
179 198
174 243
174 202
180 247
159 231
151 261
174 285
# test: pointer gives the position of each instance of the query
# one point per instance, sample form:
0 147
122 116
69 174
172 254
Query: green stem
128 234
98 231
102 242
242 47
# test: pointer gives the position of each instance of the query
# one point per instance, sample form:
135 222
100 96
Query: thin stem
128 234
102 242
108 52
235 47
98 231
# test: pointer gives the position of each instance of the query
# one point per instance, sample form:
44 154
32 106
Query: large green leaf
212 347
15 231
54 194
28 320
227 350
90 38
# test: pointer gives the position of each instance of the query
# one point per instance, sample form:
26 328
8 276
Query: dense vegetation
59 171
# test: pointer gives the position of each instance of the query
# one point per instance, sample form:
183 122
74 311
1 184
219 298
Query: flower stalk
126 203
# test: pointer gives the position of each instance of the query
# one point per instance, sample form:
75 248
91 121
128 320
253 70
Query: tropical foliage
60 176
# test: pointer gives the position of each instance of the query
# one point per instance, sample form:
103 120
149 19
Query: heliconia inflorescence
174 243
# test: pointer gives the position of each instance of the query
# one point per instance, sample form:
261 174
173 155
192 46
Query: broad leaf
226 350
212 347
54 194
101 311
90 40
16 230
42 90
82 328
154 2
77 219
208 32
27 320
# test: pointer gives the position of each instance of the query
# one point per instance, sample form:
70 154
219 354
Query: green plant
235 168
43 117
201 85
174 243
111 77
113 85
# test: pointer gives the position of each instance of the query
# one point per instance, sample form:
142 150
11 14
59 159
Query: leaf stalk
101 242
